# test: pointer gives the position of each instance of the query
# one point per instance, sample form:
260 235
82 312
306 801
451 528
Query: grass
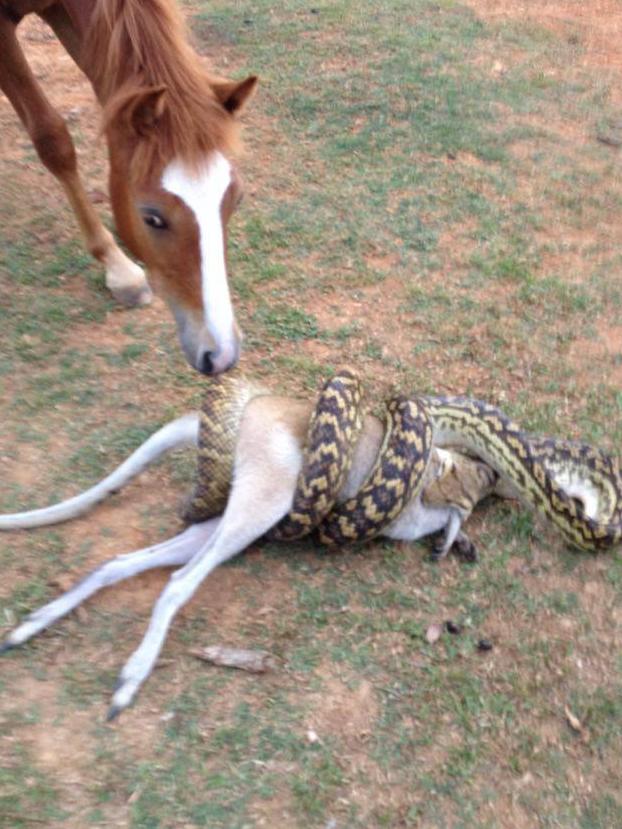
427 200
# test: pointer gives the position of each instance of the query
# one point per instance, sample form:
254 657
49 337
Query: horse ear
233 95
144 108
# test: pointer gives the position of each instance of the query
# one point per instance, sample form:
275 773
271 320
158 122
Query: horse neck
79 12
128 41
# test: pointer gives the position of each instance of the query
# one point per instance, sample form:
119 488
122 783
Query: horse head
173 188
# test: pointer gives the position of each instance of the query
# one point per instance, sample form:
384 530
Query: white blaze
202 191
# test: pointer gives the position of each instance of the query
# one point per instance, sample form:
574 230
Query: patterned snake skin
577 487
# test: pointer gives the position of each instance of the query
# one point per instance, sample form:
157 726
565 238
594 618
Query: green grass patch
427 200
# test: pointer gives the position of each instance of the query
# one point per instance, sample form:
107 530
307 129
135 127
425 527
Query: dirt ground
598 22
336 710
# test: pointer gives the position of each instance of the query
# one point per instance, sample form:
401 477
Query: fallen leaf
433 633
573 722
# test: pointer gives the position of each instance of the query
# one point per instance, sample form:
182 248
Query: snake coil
577 487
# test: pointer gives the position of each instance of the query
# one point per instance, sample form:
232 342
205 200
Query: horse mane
134 46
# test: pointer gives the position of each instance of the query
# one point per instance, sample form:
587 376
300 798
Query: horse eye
155 221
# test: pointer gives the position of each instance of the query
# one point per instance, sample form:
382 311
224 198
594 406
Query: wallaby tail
180 432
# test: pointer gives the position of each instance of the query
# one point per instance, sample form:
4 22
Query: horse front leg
53 144
125 280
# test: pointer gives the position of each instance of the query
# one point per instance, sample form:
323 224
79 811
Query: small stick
257 662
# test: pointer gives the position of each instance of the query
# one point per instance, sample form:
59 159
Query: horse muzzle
207 351
217 361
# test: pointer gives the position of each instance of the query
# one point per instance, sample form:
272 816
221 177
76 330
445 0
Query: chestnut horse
170 131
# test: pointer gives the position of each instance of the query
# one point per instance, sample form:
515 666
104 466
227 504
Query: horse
171 131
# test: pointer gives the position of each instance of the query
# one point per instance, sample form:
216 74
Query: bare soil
65 745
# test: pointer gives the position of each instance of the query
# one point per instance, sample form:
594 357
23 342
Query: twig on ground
256 662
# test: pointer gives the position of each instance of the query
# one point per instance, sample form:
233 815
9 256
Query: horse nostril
206 366
215 361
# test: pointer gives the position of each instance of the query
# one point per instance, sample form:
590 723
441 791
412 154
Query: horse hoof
127 281
132 297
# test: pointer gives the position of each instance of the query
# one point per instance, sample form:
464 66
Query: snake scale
577 487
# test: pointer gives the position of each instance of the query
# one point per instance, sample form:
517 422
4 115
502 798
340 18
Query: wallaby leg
261 495
174 552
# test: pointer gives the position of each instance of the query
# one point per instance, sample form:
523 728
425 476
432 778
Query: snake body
334 428
574 485
396 477
221 413
577 487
